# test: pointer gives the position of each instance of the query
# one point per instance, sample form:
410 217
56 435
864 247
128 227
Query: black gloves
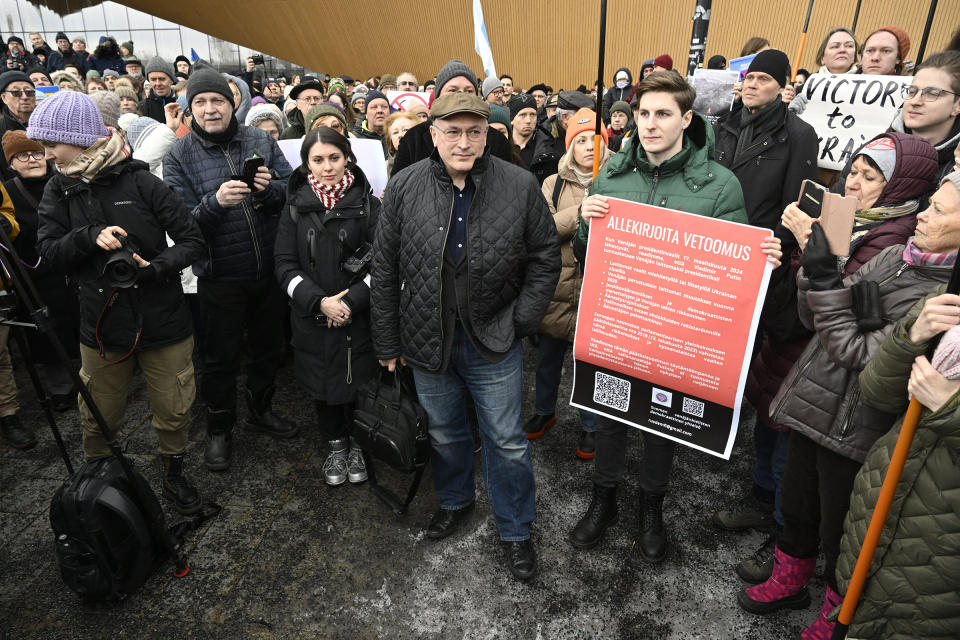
819 265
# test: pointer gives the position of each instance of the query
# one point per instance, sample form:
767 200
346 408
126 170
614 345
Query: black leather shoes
587 448
521 559
16 434
445 521
537 425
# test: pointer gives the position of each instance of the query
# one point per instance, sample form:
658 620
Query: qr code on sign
693 407
611 391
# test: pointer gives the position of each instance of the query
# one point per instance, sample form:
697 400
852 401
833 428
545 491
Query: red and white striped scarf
330 196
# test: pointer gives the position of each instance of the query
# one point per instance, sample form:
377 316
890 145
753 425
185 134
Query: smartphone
835 213
250 166
811 198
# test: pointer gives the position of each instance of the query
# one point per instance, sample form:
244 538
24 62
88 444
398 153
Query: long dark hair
325 135
109 49
348 111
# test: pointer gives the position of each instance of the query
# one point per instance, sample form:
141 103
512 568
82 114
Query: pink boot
821 629
786 587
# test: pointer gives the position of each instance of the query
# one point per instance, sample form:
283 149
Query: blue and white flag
481 42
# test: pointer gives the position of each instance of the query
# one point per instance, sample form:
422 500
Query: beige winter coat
560 320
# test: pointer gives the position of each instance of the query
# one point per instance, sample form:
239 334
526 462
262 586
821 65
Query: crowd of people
479 241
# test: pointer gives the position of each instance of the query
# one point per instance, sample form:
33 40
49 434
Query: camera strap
111 302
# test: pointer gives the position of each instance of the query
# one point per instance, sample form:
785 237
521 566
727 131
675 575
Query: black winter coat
239 239
548 148
51 284
613 94
417 145
72 214
58 61
8 123
330 362
772 168
152 107
512 251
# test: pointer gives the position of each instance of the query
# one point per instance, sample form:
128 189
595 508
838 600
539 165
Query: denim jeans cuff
514 538
457 506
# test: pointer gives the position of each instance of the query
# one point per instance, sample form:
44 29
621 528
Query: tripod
26 304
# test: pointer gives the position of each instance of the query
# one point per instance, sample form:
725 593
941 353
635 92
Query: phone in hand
249 171
835 212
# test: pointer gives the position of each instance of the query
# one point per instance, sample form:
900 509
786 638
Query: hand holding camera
123 267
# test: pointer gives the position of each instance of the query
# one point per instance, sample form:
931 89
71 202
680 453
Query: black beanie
206 80
520 102
774 63
450 71
61 36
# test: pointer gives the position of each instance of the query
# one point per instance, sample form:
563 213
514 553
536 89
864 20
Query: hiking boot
758 567
538 425
219 447
786 588
651 545
586 448
601 513
356 467
822 629
262 418
749 513
176 487
521 558
335 466
19 436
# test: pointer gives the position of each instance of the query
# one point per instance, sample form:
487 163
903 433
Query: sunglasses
16 93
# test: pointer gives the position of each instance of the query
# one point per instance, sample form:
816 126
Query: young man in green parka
668 163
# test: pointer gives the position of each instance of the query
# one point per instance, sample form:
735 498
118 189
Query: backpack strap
557 188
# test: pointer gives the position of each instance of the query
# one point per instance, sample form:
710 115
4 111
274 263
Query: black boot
601 514
219 448
19 436
651 545
177 488
262 418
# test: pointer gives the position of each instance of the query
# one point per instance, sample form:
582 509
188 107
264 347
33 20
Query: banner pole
926 32
598 146
803 41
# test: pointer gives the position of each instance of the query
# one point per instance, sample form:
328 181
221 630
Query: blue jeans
497 390
770 446
552 352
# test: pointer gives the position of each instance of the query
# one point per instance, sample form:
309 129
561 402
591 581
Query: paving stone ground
290 557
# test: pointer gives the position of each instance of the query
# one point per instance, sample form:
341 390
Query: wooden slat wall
553 41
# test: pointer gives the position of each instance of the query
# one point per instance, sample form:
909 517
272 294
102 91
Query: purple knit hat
70 117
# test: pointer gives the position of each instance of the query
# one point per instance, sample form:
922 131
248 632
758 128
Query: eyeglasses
310 99
454 135
406 83
26 156
929 94
16 93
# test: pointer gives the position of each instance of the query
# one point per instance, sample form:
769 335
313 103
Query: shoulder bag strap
26 194
557 188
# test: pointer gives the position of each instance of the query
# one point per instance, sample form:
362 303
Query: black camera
121 270
257 58
358 264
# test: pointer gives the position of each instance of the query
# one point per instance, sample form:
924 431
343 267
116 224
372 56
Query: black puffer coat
51 284
240 239
330 362
512 248
73 213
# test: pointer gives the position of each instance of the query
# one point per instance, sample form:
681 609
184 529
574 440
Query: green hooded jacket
690 181
913 585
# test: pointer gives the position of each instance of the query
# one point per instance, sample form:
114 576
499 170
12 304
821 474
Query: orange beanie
583 120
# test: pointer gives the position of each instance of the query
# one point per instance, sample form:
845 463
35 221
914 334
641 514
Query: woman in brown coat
564 192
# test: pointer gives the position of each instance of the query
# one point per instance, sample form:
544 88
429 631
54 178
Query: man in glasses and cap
466 262
19 101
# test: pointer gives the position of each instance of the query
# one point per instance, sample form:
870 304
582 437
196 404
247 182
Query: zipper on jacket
247 214
848 416
656 179
443 248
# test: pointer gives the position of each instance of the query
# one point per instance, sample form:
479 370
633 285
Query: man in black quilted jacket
466 261
235 279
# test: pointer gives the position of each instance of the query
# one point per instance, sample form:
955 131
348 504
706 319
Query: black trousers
814 498
230 309
334 420
611 459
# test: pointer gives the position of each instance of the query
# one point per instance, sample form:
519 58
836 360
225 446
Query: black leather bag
391 426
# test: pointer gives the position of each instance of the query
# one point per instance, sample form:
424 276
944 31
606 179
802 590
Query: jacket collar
440 171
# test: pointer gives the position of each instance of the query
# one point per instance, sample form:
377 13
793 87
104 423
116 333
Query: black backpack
109 534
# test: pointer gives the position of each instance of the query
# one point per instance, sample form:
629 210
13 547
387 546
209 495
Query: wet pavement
290 557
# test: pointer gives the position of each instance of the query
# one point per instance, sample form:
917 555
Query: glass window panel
144 45
52 23
72 24
116 16
11 20
196 40
93 22
168 44
160 23
31 20
223 53
139 19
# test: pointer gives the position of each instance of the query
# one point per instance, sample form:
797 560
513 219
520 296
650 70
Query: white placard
848 110
402 100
